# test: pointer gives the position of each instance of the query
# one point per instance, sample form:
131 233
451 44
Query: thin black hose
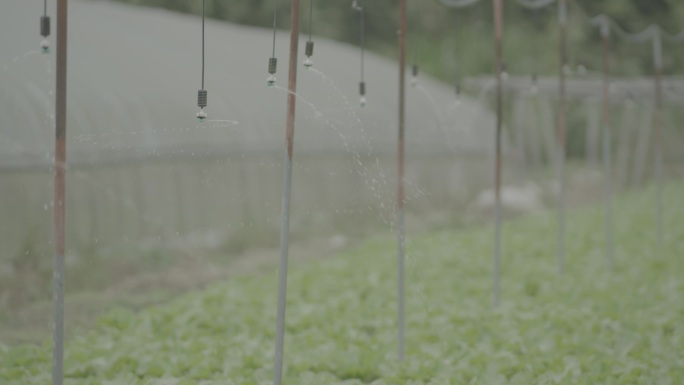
310 18
363 40
203 16
275 9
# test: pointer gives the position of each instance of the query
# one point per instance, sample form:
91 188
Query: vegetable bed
589 326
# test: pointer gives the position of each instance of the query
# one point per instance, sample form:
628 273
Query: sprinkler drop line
273 61
308 51
457 75
362 32
414 67
45 29
202 93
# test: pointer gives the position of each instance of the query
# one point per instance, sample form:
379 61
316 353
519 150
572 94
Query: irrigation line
563 23
310 18
287 190
400 180
203 17
60 195
363 42
275 27
498 25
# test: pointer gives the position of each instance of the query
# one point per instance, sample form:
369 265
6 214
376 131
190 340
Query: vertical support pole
658 122
607 143
563 20
400 179
287 189
498 32
60 196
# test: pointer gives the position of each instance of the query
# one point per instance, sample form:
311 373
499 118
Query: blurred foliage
451 43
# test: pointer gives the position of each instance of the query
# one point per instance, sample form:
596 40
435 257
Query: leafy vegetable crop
589 326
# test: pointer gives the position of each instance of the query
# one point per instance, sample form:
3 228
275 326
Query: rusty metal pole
658 123
60 196
498 35
287 189
607 143
400 179
563 19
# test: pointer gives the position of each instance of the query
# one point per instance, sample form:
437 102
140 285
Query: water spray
45 29
273 61
308 51
202 93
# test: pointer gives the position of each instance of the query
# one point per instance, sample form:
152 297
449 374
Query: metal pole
400 179
607 143
60 194
498 27
562 17
287 189
658 122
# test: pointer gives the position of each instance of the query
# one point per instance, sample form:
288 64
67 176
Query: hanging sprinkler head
272 68
567 70
309 44
356 6
362 92
201 103
45 32
457 99
362 85
273 61
202 93
581 69
309 52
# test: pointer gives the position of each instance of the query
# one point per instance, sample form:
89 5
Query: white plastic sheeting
140 165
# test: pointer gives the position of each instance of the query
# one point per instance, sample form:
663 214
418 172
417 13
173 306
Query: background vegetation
452 43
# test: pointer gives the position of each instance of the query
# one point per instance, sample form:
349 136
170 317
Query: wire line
275 10
310 18
203 17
